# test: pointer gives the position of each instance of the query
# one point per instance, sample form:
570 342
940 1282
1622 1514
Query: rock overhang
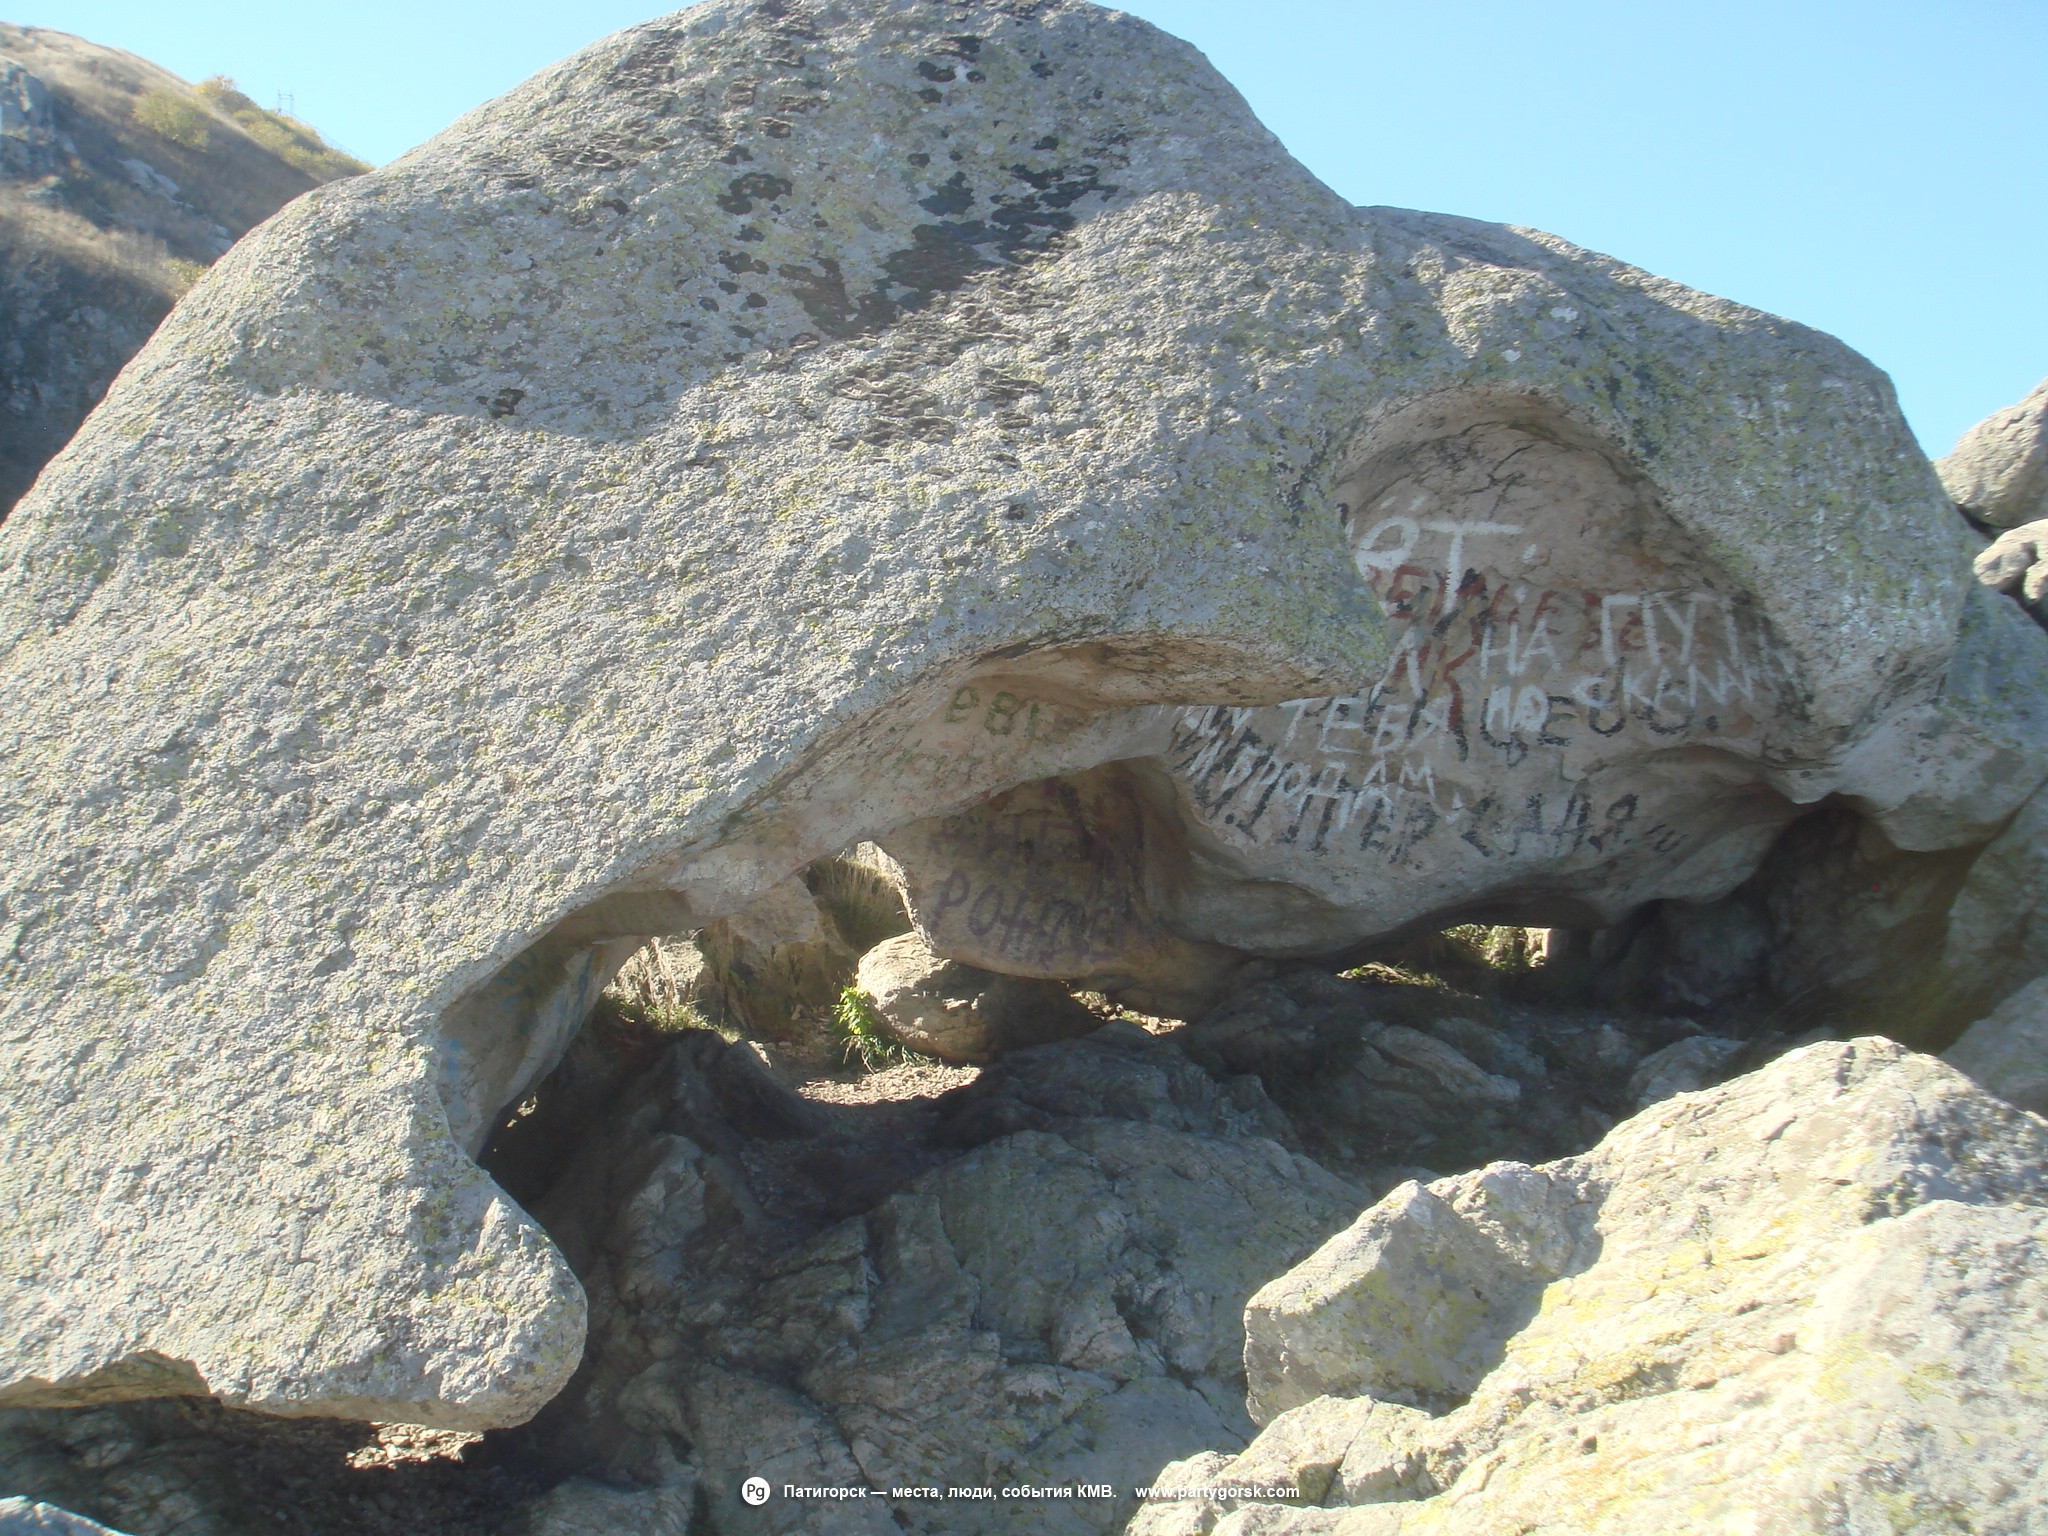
755 433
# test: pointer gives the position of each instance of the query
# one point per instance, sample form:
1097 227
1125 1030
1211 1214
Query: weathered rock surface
2006 1052
786 423
119 185
20 1517
1684 1066
1040 1277
1996 939
2016 563
1998 471
958 1012
1810 1299
1379 1075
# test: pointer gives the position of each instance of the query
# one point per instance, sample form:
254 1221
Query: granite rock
1998 471
1807 1299
2006 1052
958 1012
784 423
22 1517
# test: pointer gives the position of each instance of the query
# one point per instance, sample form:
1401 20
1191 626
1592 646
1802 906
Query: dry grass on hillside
32 223
289 139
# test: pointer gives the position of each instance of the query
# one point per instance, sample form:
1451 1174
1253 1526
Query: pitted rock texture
1998 471
1808 1300
782 423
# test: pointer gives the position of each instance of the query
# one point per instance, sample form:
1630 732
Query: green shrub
173 117
866 1036
286 137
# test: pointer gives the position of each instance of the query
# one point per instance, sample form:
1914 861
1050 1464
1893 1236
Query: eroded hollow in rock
1031 1269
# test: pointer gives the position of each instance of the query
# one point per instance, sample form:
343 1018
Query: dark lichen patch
955 197
745 190
821 290
940 257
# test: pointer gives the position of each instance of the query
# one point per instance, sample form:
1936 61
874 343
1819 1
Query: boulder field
961 427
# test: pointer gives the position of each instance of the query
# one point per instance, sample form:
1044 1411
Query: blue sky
1878 169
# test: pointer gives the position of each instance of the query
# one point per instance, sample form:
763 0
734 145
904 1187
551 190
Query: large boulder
1808 1299
1998 470
787 423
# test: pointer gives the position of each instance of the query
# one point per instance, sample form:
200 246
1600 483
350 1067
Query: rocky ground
1030 1269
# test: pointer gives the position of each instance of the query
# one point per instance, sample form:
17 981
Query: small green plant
183 273
865 1034
1390 975
1497 949
173 117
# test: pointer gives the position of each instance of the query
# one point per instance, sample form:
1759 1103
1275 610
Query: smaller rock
1175 1508
28 125
1998 472
1336 1450
1685 1067
582 1506
958 1012
2007 1052
2016 563
1441 1070
19 1517
768 963
1494 1049
1333 1325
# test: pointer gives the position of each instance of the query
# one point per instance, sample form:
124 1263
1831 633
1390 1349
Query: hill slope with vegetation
119 185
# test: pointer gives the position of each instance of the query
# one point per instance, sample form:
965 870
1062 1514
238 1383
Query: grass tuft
673 1019
866 1037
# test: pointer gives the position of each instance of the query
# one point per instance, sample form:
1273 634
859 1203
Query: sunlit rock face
787 423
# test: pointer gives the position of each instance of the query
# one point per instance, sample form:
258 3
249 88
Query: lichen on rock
786 424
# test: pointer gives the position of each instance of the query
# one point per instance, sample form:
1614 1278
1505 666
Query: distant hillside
119 185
